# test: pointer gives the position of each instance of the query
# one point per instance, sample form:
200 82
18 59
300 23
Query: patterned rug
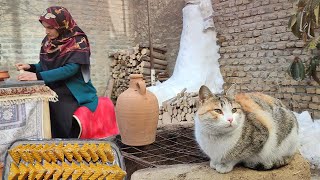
22 121
22 113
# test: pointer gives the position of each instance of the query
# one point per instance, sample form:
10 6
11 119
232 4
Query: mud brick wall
106 22
256 45
257 48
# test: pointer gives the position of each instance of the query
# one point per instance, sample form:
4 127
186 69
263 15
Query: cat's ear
231 92
204 93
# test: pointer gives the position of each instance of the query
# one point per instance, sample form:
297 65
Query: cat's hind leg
260 166
254 165
268 165
277 163
282 162
257 163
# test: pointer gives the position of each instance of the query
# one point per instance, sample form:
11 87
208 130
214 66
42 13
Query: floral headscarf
72 45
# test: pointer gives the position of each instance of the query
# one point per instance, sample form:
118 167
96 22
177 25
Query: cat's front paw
212 165
223 168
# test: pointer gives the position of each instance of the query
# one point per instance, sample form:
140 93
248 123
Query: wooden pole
153 77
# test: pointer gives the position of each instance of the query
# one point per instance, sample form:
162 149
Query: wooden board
1 170
16 83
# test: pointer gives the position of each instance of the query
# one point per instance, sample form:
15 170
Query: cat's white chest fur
215 146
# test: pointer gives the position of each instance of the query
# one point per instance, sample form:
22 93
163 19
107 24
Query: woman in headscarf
64 67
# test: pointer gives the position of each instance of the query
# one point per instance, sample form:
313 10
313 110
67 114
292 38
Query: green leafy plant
305 19
303 24
312 68
297 70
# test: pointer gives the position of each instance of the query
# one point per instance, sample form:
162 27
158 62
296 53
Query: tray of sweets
58 159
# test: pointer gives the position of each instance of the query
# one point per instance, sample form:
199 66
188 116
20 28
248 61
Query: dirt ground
299 169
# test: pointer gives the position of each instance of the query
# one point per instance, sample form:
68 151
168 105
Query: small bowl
4 75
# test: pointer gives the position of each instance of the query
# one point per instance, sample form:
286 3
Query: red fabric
99 124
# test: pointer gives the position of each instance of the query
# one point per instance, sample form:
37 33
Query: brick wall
257 48
106 22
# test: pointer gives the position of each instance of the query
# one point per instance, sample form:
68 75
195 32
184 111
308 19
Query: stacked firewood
160 64
136 60
179 109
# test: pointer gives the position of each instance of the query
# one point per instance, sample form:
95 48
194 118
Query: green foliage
312 68
303 24
306 18
296 70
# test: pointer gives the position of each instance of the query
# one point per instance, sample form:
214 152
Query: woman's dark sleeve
35 68
58 74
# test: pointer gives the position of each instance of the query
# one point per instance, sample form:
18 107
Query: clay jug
137 113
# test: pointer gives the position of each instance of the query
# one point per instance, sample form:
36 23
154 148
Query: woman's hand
21 66
27 76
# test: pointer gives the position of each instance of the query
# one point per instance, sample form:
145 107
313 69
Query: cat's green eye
234 110
218 111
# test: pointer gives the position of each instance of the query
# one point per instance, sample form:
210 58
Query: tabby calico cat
253 129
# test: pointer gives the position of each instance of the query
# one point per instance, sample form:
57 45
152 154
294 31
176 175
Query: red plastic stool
99 124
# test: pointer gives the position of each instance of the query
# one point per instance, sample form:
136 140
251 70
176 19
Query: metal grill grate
175 144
